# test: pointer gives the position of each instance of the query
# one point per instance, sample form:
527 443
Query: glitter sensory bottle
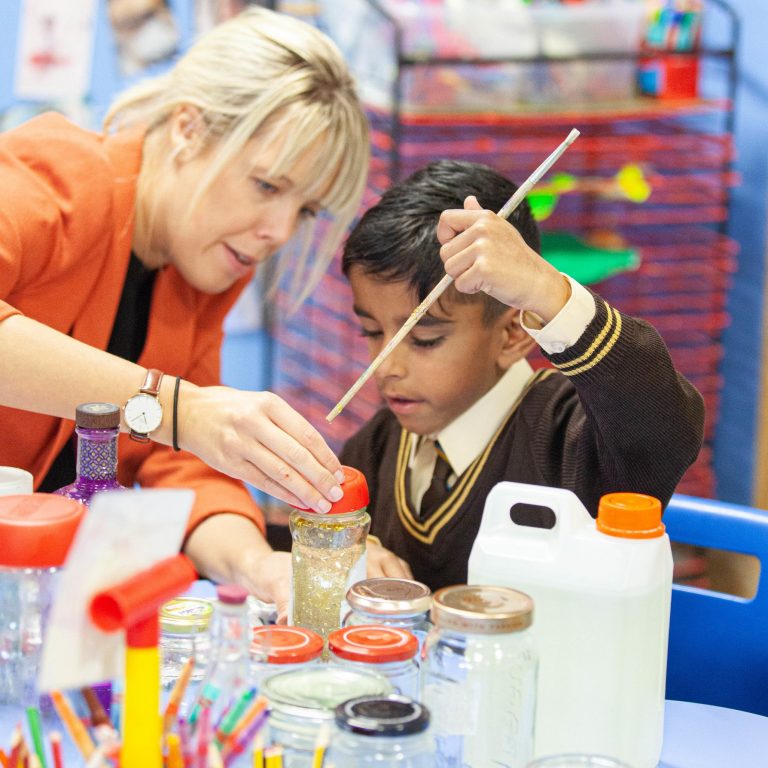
97 426
328 556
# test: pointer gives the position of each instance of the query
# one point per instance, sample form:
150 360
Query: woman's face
243 217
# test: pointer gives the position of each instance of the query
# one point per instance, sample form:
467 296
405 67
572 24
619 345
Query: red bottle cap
355 494
286 645
372 643
36 529
233 594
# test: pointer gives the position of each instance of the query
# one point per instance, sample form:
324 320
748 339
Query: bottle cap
384 595
392 715
372 643
286 645
186 615
355 494
233 594
481 610
97 416
36 529
630 516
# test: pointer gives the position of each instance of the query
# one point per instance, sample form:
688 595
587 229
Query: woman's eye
308 213
366 334
265 186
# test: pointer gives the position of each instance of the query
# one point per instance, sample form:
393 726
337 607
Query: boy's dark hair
396 238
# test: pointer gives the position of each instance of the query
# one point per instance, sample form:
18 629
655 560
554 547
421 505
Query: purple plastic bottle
97 426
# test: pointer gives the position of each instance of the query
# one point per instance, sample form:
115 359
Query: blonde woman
121 253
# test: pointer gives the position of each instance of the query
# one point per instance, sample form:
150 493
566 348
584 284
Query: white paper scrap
123 533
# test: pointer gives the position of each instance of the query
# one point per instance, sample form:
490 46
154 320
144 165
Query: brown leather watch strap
151 385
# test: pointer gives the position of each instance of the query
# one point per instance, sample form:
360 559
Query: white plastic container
601 614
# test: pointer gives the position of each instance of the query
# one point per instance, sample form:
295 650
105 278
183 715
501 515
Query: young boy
613 415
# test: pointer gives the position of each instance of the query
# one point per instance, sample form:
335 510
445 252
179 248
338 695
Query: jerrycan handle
570 514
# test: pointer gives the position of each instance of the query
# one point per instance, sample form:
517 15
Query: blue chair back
718 643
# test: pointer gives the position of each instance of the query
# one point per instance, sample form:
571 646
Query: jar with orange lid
602 588
36 531
328 556
278 648
390 651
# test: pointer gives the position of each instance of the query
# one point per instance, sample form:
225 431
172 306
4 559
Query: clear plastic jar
385 731
389 651
479 677
302 702
36 531
328 556
392 602
184 634
279 648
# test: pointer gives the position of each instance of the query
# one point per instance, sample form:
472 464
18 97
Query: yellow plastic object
142 724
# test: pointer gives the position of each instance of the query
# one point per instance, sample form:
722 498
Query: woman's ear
186 132
516 342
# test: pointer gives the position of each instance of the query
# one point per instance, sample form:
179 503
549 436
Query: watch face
143 413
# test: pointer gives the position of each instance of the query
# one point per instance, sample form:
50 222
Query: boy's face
447 362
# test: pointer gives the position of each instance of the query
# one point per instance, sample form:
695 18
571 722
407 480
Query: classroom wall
737 429
245 355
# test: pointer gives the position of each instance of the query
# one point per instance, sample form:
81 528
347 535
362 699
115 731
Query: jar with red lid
390 651
328 556
36 531
277 648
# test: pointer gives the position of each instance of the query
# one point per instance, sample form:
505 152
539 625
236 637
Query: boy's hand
382 562
483 252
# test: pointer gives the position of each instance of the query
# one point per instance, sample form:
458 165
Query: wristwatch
143 413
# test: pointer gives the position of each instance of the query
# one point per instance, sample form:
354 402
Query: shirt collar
466 436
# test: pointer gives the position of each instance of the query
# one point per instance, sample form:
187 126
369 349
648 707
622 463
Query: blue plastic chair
718 643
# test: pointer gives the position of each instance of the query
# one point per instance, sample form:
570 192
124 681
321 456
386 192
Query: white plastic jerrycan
601 592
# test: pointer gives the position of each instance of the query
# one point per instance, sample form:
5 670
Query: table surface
703 736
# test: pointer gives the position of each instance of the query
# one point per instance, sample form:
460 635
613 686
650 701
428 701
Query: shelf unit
687 259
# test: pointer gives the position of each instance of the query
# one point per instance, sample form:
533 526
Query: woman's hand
229 548
258 438
381 562
483 252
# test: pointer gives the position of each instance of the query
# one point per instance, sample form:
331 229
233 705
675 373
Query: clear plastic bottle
479 677
302 704
390 651
328 556
184 634
390 602
97 426
278 648
36 531
385 731
227 676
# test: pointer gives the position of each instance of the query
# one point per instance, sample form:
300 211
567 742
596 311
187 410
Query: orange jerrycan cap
630 516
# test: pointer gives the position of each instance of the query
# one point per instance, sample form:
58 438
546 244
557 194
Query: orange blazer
66 223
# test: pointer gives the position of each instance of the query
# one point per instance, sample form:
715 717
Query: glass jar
279 648
302 703
390 602
479 675
36 531
328 556
97 426
385 731
184 634
388 650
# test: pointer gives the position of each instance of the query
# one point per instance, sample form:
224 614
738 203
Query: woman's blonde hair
269 73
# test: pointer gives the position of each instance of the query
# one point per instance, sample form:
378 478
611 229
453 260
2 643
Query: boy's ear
516 343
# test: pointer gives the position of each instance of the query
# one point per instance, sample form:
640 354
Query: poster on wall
209 13
53 57
145 33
